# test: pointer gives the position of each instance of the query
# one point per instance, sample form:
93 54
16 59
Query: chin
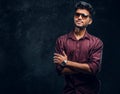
79 26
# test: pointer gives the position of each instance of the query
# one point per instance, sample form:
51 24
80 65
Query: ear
90 21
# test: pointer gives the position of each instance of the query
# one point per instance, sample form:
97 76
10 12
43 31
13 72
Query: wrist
64 63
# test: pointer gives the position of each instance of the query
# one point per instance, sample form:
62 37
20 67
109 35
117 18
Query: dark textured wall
28 30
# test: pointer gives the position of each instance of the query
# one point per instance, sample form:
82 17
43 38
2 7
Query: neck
79 31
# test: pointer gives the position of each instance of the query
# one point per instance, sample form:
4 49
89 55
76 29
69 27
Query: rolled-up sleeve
59 49
96 57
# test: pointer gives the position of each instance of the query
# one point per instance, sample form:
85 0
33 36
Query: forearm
79 67
67 70
75 68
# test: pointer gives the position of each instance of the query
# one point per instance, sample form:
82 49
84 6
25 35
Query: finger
56 54
56 61
56 57
59 55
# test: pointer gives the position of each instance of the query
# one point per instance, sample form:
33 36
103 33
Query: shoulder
62 37
95 40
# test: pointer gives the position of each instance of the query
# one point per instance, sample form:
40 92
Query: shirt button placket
77 45
77 50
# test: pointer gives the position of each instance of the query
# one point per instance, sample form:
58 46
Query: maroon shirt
86 50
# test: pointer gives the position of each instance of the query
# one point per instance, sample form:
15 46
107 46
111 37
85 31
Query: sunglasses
82 15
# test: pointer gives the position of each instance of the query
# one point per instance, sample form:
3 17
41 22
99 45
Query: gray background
28 30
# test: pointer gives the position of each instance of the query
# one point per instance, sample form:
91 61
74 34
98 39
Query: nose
80 17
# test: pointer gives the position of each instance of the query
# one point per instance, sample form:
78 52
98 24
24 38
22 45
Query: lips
79 22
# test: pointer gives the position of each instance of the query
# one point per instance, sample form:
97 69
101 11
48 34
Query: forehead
84 11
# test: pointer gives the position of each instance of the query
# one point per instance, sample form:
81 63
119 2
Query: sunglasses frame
84 16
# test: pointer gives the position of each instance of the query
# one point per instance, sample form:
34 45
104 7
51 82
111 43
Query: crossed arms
72 67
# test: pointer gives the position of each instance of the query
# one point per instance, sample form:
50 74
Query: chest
78 50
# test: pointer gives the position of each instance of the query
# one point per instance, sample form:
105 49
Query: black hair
85 5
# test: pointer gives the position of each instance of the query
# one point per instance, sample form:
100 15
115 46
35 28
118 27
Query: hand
58 58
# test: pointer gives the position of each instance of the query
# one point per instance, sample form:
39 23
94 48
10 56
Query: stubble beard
81 27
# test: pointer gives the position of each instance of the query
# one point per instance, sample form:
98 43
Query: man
78 54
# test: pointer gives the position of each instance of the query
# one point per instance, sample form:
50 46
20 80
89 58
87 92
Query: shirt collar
71 35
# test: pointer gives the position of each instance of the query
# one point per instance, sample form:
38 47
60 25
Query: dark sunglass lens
77 14
82 15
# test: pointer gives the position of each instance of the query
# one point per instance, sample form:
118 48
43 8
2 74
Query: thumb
64 53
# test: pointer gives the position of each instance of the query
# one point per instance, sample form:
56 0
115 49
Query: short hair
85 5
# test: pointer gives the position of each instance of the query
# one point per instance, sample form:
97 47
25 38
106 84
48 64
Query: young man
78 54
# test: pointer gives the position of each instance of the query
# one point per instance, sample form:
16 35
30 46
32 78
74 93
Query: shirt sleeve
96 57
59 49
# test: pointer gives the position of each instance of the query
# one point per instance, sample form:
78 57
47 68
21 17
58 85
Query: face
82 18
